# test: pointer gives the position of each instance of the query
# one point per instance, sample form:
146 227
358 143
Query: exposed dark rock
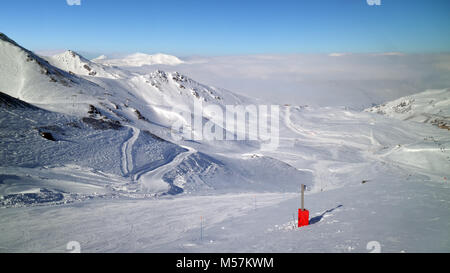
174 190
160 74
93 111
47 136
179 78
195 94
441 124
44 196
87 67
102 124
139 115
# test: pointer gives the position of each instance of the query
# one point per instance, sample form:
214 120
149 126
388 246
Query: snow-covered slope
432 106
126 116
139 59
26 76
40 147
22 70
171 92
74 63
106 141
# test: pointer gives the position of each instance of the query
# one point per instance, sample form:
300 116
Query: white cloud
74 2
322 79
389 54
338 54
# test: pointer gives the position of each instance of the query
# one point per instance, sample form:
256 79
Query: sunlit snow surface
115 181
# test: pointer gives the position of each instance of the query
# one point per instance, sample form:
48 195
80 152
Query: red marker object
303 214
303 218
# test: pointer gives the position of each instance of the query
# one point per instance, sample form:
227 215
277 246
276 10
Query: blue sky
229 27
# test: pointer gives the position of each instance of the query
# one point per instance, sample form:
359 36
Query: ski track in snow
147 177
127 148
152 177
404 201
290 125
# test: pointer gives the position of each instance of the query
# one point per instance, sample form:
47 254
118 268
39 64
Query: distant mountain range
93 117
139 59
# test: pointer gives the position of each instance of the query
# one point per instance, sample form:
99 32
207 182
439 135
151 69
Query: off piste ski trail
127 151
369 176
151 179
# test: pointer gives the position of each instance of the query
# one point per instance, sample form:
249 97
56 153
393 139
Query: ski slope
431 106
91 158
127 156
152 180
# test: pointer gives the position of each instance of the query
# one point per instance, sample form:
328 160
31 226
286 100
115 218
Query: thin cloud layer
74 2
353 80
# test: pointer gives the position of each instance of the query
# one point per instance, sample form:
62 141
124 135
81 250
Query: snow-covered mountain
139 59
90 157
76 64
432 106
84 104
26 76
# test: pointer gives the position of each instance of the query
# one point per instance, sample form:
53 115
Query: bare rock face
44 196
93 111
98 124
47 136
139 115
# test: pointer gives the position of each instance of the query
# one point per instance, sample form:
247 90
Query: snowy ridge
74 63
163 88
128 111
432 106
106 142
139 59
26 76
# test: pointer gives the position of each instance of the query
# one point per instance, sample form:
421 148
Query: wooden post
303 197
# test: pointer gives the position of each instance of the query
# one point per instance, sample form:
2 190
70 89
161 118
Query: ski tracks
127 151
150 178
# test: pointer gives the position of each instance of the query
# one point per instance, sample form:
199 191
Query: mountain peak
141 59
70 54
5 38
99 58
73 62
